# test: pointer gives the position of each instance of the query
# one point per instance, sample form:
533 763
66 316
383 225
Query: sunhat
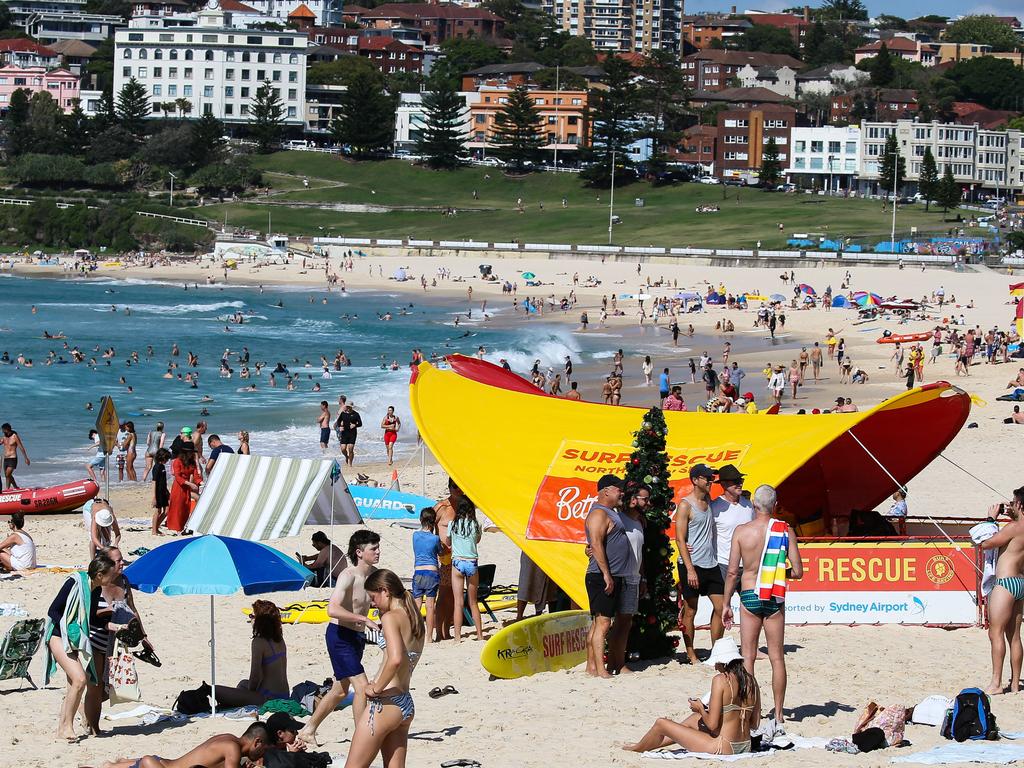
104 518
723 651
186 430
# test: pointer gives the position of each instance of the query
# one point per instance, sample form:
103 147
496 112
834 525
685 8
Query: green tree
443 138
463 54
892 167
101 64
657 613
366 122
16 126
843 10
887 21
76 130
984 30
881 68
266 118
106 112
169 146
46 124
232 175
928 179
662 97
184 106
341 71
110 144
206 142
517 136
561 78
995 83
949 194
403 82
5 16
133 107
613 116
771 166
767 39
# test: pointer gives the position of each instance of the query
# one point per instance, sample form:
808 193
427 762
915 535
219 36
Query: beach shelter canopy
539 491
264 497
840 301
777 297
687 295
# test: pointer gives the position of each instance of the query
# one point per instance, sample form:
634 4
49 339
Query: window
125 72
229 91
261 75
799 146
245 74
209 38
245 93
480 119
187 90
291 112
143 54
229 74
172 71
293 58
834 146
135 37
173 54
276 76
157 106
817 146
293 94
229 56
166 37
207 91
816 163
208 56
246 56
188 54
127 53
158 54
172 90
158 90
188 73
851 147
293 77
277 58
261 57
158 71
284 41
244 109
208 74
577 102
254 40
207 109
229 109
798 162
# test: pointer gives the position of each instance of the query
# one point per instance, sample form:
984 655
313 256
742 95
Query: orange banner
885 567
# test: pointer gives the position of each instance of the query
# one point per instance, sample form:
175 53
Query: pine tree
443 138
517 130
928 179
882 70
133 107
949 194
266 117
771 166
106 112
207 140
657 614
612 116
76 130
16 125
367 120
893 167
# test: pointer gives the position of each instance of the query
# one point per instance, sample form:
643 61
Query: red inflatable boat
905 338
57 498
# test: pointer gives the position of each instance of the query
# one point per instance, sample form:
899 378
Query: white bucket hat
105 518
723 651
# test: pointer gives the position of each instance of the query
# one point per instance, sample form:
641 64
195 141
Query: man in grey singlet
698 562
609 563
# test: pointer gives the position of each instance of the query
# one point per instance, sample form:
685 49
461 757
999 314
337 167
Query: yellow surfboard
315 611
544 643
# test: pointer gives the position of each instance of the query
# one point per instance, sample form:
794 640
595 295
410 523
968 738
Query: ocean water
46 404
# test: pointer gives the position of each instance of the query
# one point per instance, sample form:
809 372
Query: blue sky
907 8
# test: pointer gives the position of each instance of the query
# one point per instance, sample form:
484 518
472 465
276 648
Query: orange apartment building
564 115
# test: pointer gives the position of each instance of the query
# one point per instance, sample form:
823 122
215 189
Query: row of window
142 73
818 164
208 92
572 138
168 37
38 81
188 55
229 109
6 97
834 147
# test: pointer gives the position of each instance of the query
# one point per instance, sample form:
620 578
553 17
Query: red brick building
436 23
389 54
883 104
797 26
697 145
742 135
715 70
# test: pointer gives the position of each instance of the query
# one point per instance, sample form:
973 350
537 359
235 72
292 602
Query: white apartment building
624 26
411 119
217 68
826 157
979 158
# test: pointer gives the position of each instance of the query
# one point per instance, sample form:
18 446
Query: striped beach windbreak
265 497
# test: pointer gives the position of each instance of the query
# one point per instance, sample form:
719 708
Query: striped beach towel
771 581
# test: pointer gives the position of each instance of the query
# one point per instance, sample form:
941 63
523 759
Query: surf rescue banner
871 582
569 487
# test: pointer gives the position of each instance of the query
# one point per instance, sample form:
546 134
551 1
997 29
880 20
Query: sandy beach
833 670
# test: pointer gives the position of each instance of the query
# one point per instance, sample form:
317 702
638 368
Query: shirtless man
698 563
12 443
748 542
324 422
816 360
222 751
197 441
804 358
347 609
1018 381
444 611
1006 601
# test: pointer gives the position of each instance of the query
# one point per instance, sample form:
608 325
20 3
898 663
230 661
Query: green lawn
667 219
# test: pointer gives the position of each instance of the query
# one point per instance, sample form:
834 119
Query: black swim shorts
12 463
709 581
601 603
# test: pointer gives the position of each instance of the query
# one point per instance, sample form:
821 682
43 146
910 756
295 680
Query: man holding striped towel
764 554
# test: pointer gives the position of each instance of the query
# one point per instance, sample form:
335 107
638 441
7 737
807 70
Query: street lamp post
611 201
558 124
173 177
830 190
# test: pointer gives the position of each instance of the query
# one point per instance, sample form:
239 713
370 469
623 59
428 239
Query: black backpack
970 718
195 701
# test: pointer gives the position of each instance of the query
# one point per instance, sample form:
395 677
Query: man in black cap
729 511
609 564
699 573
283 729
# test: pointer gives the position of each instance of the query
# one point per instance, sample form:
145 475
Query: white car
708 180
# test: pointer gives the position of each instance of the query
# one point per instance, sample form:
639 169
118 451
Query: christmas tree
657 615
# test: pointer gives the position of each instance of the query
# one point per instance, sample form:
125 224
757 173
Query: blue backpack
970 718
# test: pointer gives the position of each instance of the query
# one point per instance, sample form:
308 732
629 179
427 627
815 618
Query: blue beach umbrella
216 565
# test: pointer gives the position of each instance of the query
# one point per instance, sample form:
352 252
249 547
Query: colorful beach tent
840 301
539 490
264 497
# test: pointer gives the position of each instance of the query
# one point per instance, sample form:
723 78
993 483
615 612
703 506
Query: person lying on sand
221 751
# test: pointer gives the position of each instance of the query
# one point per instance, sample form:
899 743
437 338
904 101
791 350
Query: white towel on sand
799 742
967 752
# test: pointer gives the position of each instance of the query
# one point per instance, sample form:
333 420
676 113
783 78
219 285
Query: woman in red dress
186 483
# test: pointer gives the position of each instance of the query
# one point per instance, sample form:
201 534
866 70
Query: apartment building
743 134
53 26
977 157
411 119
563 113
873 104
825 157
926 54
697 146
715 69
216 67
522 73
796 24
435 22
21 10
61 84
620 26
705 31
26 53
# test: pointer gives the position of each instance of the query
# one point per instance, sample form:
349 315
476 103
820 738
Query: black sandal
147 655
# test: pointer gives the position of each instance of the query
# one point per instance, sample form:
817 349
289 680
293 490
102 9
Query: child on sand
426 576
161 496
463 535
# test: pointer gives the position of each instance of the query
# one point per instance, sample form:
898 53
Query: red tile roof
302 12
20 44
896 44
428 11
381 43
237 7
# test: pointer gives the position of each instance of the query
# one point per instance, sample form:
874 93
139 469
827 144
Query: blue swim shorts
425 583
466 567
345 648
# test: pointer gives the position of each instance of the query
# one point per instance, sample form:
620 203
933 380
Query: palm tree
184 106
167 107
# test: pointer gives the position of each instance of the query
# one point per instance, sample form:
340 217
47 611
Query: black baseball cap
610 480
702 470
282 721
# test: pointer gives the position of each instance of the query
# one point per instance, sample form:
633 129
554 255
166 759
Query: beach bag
122 679
195 701
891 721
970 718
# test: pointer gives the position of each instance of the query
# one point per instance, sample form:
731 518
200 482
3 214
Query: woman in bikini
268 669
384 728
723 728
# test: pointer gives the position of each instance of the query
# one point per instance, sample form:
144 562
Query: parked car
734 183
708 180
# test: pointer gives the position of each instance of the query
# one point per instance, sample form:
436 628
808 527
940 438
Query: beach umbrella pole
213 661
